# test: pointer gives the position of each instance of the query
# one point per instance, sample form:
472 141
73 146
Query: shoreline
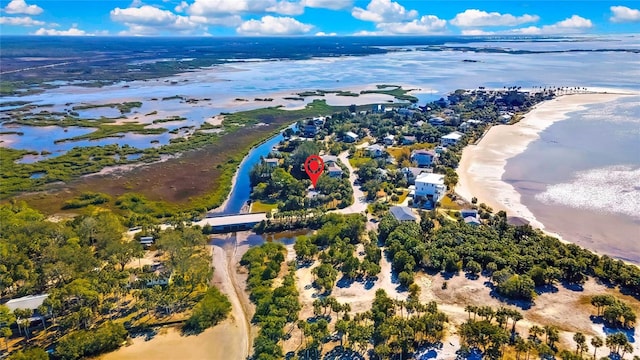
482 165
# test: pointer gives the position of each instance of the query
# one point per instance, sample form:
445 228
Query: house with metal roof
403 213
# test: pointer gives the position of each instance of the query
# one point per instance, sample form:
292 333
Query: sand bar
482 166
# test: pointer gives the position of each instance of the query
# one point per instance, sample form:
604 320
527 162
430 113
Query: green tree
30 354
213 308
596 342
6 319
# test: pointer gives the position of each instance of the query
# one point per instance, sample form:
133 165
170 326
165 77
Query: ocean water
581 178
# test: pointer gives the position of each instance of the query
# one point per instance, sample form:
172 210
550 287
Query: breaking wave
614 189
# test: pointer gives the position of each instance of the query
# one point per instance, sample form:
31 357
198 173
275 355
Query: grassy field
392 90
259 206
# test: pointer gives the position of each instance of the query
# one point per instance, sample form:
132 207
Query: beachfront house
310 129
429 187
403 213
350 137
334 171
473 221
31 302
424 158
378 109
376 151
451 138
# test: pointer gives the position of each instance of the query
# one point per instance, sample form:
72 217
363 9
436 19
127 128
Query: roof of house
469 212
437 119
471 220
391 137
423 152
415 171
453 136
334 168
403 213
409 137
329 158
27 302
430 178
375 147
271 160
351 134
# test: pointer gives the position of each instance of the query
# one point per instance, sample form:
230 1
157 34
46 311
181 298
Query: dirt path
227 283
360 200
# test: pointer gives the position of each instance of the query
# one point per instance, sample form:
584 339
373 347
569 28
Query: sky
316 17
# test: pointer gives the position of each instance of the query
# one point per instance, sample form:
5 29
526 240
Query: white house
376 150
430 186
408 140
350 137
423 158
451 138
437 120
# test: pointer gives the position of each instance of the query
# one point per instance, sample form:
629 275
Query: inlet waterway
242 187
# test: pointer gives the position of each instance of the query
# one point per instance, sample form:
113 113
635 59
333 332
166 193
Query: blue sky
316 17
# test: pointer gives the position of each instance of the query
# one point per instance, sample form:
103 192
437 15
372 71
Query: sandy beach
482 166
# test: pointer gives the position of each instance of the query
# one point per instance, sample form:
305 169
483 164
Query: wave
614 189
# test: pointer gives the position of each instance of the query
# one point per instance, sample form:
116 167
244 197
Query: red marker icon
314 166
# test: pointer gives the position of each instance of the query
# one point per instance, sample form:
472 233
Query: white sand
482 166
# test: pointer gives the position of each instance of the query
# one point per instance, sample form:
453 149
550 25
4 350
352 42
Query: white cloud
322 33
20 21
229 21
624 14
72 31
384 11
476 32
181 7
226 7
479 18
428 24
287 8
572 25
328 4
150 20
270 25
21 7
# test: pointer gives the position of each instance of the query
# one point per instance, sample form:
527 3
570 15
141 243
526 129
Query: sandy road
359 198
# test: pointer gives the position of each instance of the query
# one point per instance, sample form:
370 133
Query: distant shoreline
482 165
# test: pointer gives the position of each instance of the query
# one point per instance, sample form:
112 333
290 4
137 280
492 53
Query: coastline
482 166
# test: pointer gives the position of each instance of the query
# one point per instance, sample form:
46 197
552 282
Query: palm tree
581 342
596 342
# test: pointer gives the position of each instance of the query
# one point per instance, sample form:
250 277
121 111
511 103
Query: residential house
310 129
505 118
419 123
403 213
377 109
471 220
329 160
437 120
451 138
411 173
146 241
408 140
271 162
469 212
430 186
350 137
389 140
31 302
334 171
423 158
319 121
376 151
